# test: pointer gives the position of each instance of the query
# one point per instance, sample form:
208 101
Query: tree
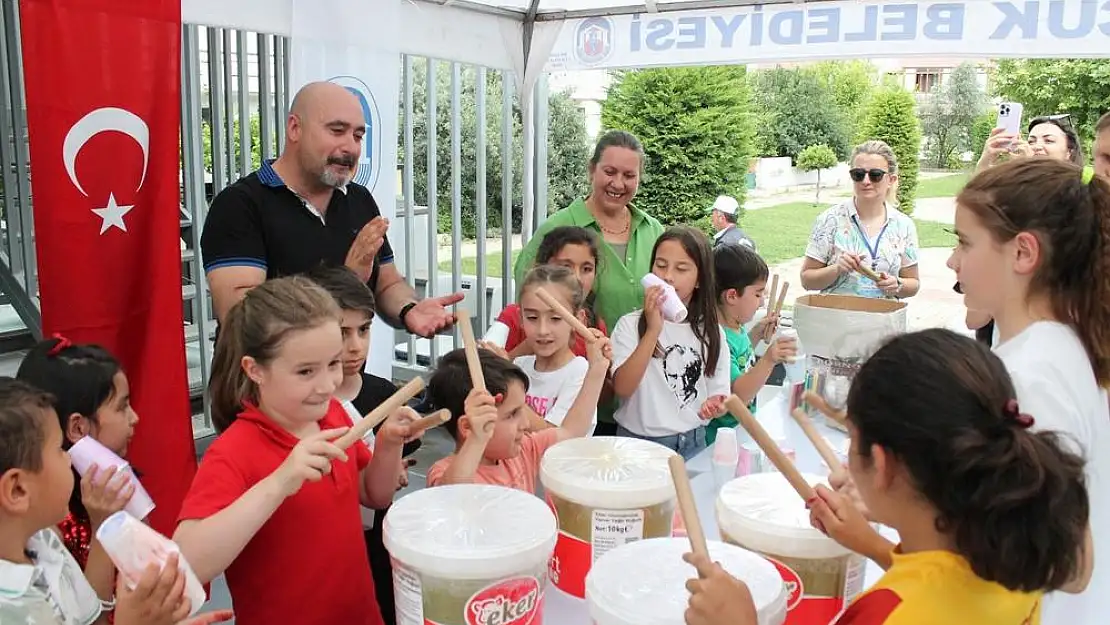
949 113
851 84
567 149
696 127
256 144
795 112
1079 87
980 130
891 118
816 158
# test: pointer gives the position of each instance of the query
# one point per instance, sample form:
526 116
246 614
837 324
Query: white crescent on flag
98 121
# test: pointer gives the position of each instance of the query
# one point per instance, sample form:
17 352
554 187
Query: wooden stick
428 422
818 402
782 297
687 506
819 443
774 454
379 414
868 272
470 347
774 295
563 311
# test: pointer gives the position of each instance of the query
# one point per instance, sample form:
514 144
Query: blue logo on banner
593 41
370 161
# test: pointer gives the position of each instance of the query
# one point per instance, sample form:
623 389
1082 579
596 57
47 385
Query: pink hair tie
1012 412
62 344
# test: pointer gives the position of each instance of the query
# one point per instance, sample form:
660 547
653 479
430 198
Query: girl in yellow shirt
990 514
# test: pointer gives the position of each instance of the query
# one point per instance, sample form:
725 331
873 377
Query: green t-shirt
740 356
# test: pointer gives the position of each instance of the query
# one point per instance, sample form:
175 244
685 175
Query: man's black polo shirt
259 222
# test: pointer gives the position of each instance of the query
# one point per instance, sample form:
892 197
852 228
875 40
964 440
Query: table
563 609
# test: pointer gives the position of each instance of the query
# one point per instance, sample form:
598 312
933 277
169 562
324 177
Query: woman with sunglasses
1052 136
865 231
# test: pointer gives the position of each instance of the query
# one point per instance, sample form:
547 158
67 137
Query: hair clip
1012 412
62 344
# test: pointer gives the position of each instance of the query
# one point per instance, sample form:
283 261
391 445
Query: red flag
103 88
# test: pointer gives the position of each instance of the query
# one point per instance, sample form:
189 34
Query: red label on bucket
517 601
802 609
569 565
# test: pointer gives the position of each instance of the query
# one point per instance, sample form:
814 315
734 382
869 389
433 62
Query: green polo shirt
617 289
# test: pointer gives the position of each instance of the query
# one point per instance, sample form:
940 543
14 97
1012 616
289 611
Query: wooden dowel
687 506
782 297
822 406
870 273
565 312
428 422
470 347
379 414
819 443
773 297
774 454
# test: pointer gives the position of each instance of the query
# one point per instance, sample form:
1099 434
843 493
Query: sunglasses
1063 120
858 173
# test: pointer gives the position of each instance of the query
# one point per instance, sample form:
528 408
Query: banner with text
827 30
360 52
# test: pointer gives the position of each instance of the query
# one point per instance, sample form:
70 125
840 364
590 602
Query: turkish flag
103 96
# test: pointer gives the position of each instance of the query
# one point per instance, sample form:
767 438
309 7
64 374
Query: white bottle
796 368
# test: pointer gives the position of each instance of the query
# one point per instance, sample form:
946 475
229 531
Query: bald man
303 210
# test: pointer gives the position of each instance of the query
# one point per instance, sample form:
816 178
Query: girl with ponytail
992 513
1034 253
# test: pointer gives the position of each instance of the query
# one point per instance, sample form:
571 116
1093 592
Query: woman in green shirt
627 234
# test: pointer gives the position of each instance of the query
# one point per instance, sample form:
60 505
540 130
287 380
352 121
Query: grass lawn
943 186
781 232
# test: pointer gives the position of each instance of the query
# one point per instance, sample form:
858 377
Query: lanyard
874 251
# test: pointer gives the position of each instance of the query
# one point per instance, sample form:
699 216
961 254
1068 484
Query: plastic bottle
796 369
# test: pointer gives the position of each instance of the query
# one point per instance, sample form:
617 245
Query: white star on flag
112 215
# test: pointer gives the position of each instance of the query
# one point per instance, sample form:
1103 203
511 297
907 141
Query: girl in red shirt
275 503
572 247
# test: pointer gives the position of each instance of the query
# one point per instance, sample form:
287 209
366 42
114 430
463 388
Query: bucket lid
608 472
644 582
764 513
470 531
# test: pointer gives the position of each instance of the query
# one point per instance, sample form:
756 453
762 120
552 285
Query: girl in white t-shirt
1034 253
561 384
672 378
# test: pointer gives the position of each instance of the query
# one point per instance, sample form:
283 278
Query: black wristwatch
404 312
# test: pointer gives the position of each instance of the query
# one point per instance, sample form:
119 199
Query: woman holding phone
865 235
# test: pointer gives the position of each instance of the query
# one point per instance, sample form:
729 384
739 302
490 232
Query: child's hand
105 492
600 352
208 618
403 473
395 431
842 483
310 460
782 349
481 412
653 307
764 329
496 349
713 407
835 515
717 598
158 598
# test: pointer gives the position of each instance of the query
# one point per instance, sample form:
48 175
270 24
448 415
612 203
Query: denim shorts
687 444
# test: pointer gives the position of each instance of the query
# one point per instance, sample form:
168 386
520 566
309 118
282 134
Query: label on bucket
573 556
803 609
517 601
408 596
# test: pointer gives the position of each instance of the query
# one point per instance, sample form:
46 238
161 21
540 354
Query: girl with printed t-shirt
672 377
865 230
991 513
1034 254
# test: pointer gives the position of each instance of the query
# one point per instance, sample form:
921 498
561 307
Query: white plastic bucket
469 549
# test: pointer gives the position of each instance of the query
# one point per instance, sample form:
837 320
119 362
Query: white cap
726 204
